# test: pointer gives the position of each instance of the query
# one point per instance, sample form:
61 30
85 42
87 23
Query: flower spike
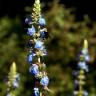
36 50
36 11
13 81
84 58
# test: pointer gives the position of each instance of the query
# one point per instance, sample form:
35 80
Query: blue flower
30 58
44 81
39 45
31 31
44 34
42 21
87 58
36 92
28 20
15 84
34 69
82 65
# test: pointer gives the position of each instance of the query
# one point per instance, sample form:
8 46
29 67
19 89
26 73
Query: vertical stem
40 93
80 89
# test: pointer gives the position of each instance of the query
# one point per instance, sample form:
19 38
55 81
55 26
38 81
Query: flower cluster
13 81
37 33
84 58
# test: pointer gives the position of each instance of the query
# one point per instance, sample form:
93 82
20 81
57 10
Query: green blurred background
67 26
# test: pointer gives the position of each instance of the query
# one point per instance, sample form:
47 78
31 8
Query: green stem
40 93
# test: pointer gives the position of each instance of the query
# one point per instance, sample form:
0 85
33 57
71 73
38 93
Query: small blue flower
34 69
44 81
36 92
42 21
28 19
87 58
82 65
30 58
15 84
39 45
31 31
44 34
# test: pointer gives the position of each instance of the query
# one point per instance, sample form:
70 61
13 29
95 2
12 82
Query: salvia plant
13 81
37 34
84 58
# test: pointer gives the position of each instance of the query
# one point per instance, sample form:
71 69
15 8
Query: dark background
16 7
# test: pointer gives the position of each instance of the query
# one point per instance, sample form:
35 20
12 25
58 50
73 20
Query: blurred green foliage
65 42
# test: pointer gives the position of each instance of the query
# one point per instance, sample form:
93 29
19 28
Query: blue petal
31 31
30 58
15 84
28 20
42 34
44 81
36 92
87 58
39 45
42 21
82 65
34 69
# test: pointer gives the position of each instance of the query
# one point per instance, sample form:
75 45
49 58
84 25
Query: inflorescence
37 33
83 68
13 81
